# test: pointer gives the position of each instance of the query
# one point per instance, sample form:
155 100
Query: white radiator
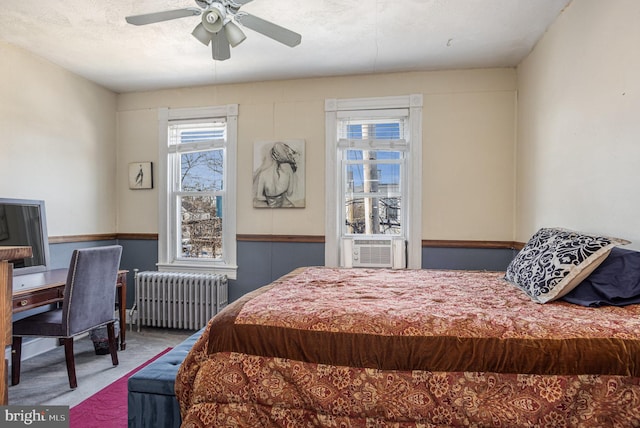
178 300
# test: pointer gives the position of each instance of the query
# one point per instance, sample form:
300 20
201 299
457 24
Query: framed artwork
279 174
140 175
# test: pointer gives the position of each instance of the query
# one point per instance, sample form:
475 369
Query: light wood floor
43 379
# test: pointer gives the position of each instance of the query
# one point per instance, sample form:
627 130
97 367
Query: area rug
106 408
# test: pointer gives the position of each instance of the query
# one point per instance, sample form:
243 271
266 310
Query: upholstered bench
151 401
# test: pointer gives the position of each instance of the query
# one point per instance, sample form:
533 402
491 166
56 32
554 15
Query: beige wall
468 141
578 152
57 143
69 141
60 133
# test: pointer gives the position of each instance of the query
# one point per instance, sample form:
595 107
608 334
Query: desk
6 277
46 288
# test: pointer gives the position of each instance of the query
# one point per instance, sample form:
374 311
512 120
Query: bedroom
565 115
573 88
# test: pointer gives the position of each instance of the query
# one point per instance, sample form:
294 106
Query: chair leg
113 343
71 364
16 356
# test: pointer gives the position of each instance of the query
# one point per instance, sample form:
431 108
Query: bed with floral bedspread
330 347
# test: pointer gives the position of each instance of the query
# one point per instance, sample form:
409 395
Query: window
373 151
197 203
372 157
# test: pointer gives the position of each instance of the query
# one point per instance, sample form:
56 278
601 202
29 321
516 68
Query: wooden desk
6 281
47 287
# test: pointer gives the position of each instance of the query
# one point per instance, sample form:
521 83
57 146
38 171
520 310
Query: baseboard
37 346
34 347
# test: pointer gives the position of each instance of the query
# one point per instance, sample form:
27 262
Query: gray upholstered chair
89 302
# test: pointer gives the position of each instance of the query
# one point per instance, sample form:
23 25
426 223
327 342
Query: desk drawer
37 298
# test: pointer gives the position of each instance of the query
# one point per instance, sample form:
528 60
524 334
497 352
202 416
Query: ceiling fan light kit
202 34
234 34
213 18
219 15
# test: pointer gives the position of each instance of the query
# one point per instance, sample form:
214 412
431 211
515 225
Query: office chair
89 302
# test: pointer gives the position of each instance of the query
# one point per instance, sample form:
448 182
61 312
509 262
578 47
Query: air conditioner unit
373 252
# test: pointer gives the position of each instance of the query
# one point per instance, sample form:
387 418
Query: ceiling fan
217 27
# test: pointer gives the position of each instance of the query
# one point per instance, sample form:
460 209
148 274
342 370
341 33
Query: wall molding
447 243
82 238
140 236
309 239
312 239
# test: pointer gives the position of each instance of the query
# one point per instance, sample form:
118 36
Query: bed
331 347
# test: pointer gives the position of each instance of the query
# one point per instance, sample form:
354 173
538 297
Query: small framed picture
140 175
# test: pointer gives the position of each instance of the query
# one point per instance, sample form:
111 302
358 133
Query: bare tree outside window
197 224
201 182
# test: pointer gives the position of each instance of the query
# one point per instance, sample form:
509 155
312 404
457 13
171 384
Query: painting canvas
279 174
140 175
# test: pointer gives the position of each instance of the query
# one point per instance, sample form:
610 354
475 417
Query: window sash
178 196
360 131
201 241
214 119
179 180
358 211
182 138
374 137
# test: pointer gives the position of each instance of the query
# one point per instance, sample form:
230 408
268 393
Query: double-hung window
197 203
373 156
373 151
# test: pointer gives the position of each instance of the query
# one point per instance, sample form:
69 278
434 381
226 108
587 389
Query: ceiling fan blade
242 2
150 18
220 48
269 29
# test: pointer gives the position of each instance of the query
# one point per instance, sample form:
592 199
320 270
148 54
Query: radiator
178 300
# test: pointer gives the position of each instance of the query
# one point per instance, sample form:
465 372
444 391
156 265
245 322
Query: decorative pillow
555 261
615 282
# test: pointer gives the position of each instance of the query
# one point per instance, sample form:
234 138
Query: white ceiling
339 37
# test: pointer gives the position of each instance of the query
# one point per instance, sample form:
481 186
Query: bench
151 399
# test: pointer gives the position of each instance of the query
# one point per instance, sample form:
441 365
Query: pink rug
106 408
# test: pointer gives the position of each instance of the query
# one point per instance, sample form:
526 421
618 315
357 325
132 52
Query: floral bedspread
375 348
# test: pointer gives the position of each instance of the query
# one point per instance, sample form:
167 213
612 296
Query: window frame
168 257
335 109
346 144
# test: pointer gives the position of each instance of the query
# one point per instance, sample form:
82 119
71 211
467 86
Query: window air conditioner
373 252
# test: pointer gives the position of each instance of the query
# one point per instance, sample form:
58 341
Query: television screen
23 223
